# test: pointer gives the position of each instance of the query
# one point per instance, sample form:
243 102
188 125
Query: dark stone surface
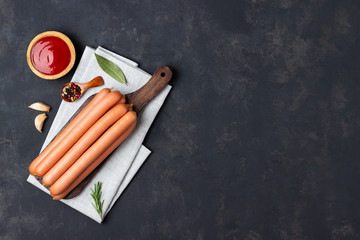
259 138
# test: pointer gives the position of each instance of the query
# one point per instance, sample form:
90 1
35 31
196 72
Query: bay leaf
111 68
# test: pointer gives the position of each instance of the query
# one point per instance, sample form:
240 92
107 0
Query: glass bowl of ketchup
51 55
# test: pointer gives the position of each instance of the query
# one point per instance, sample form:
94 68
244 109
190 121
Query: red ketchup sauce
50 55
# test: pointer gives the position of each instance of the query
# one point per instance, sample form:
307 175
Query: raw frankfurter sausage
123 99
90 155
84 143
98 110
96 163
68 129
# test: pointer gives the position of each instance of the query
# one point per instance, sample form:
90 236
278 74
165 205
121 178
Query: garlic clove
39 121
39 106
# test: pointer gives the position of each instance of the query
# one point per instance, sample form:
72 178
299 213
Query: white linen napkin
121 166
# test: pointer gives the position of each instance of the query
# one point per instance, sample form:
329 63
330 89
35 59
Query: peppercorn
71 92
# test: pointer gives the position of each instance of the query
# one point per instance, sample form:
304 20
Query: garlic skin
39 106
39 121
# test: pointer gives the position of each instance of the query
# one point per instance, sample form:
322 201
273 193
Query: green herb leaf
96 195
111 68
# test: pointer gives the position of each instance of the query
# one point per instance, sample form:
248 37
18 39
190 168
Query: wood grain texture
96 82
151 89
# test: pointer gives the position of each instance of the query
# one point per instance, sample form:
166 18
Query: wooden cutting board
139 99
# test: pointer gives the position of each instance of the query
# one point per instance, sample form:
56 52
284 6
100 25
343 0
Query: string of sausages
88 139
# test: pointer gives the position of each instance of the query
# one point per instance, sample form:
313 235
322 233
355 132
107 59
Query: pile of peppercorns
71 92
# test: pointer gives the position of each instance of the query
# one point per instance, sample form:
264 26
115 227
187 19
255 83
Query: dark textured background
259 138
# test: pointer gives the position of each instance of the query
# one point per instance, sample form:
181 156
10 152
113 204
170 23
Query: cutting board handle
151 89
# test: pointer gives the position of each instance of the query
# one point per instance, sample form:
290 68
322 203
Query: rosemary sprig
96 195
